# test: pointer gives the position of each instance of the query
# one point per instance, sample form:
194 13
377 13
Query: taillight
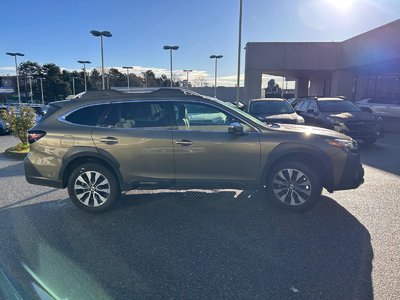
35 135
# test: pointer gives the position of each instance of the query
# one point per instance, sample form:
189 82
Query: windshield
271 107
241 112
338 106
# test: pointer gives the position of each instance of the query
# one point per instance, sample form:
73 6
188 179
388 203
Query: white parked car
383 106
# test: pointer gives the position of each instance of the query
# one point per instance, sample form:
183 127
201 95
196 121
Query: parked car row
4 127
333 113
40 110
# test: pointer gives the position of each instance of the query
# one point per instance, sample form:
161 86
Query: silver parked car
383 106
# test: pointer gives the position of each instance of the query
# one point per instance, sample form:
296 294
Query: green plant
20 121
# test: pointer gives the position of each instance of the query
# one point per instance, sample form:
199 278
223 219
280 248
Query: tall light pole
15 54
41 88
84 62
127 75
101 34
30 85
239 50
170 48
73 84
187 77
216 57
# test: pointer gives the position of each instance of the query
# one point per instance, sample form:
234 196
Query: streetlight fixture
15 54
216 57
101 34
84 62
170 48
239 50
127 75
41 88
187 77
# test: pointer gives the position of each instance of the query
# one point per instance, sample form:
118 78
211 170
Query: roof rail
167 91
97 94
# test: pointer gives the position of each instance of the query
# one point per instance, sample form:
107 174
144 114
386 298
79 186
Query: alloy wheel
92 188
291 186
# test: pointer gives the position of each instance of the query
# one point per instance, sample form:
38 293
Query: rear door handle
184 143
109 140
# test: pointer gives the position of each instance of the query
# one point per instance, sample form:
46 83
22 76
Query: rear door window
89 115
138 115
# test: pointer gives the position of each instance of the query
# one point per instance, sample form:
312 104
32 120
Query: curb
16 155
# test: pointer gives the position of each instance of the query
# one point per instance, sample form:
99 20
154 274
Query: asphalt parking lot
206 245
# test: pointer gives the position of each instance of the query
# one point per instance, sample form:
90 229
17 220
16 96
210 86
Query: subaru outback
106 143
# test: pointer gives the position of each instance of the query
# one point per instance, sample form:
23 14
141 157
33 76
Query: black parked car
273 110
341 115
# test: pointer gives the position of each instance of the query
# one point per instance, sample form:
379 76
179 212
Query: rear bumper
33 176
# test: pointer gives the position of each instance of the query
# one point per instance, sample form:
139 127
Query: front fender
287 150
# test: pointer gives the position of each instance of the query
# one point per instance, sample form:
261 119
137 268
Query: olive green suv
106 143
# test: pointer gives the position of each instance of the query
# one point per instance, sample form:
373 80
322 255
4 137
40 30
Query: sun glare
341 4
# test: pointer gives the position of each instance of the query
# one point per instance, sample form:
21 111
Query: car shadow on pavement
12 170
385 158
189 245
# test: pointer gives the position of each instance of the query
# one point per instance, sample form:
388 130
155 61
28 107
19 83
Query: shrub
20 122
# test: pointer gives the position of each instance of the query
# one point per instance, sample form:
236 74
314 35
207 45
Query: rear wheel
294 186
93 188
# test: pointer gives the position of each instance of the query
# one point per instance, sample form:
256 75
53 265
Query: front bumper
361 132
352 176
364 135
33 176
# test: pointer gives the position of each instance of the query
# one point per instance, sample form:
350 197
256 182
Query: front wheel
93 187
294 186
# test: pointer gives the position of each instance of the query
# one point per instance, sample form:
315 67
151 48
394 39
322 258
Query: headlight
349 146
333 120
300 120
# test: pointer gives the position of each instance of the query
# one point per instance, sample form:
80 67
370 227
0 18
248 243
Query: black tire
289 193
369 141
90 197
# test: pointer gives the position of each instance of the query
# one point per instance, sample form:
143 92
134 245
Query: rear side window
313 105
302 106
88 115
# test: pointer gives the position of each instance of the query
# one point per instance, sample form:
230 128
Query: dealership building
367 65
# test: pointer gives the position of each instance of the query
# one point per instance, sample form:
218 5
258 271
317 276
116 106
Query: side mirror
367 109
235 128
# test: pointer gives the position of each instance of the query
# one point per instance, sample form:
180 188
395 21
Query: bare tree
201 81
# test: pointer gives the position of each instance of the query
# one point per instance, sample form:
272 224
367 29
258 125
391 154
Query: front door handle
184 143
109 140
